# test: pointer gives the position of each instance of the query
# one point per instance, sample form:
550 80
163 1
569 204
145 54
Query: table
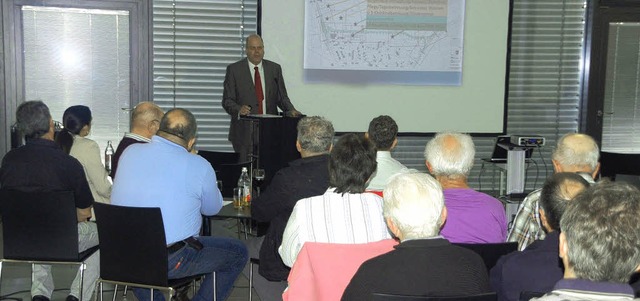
243 216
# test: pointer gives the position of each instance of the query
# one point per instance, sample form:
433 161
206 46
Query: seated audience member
383 132
538 268
303 178
164 173
145 120
344 213
599 244
474 217
72 139
577 153
424 263
40 165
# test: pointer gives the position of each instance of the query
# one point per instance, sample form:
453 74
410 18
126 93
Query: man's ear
543 219
562 247
393 145
443 216
556 166
596 171
392 227
429 167
191 143
298 146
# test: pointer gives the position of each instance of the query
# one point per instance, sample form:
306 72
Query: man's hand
244 110
83 214
294 113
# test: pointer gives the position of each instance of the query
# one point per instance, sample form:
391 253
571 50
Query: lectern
274 142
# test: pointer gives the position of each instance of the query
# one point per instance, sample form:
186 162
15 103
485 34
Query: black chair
41 228
526 296
393 297
134 251
490 253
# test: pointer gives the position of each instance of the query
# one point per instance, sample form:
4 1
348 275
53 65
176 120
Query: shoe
71 298
39 298
181 293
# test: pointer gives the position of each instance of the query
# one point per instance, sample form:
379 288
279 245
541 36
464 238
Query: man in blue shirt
164 173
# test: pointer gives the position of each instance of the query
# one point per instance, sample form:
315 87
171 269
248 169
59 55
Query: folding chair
134 250
41 228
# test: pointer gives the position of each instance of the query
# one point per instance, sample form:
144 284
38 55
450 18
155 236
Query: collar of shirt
583 285
158 139
137 137
383 154
42 142
251 66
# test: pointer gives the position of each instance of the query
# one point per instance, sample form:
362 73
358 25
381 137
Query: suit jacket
536 269
240 90
303 178
421 267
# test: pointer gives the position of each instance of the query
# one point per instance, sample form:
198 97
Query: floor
16 279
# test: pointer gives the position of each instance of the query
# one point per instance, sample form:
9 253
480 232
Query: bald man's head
575 153
178 123
145 119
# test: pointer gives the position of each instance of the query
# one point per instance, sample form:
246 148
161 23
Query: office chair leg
215 289
115 292
124 294
250 280
82 267
1 272
100 290
152 295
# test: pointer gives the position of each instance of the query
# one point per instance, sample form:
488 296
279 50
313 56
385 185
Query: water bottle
108 153
245 183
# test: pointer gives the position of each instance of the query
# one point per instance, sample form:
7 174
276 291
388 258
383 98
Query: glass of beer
238 197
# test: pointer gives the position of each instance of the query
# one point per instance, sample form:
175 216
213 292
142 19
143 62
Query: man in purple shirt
474 217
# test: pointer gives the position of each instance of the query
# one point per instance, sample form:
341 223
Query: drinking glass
258 179
238 197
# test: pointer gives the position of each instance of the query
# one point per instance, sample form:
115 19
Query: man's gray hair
414 202
33 119
601 230
450 154
315 134
575 149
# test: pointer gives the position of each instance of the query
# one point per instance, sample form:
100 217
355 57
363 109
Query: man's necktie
259 94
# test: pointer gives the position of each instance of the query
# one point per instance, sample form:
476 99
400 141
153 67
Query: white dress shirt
349 218
387 167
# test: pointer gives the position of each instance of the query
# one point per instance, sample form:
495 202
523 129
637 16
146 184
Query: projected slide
400 41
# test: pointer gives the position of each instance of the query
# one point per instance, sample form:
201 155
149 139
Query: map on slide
384 35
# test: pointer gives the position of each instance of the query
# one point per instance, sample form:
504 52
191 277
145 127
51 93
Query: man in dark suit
243 96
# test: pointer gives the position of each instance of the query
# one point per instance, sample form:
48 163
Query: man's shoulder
238 64
268 63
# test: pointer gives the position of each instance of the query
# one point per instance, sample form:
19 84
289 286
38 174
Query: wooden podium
274 142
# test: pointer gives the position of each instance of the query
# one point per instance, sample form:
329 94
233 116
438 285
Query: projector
527 140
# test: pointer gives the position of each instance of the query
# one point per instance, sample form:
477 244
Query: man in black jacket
303 178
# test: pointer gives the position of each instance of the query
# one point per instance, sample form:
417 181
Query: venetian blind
193 42
544 86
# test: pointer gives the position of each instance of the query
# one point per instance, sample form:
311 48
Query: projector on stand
527 140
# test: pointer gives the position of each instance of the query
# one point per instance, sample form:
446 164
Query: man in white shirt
383 132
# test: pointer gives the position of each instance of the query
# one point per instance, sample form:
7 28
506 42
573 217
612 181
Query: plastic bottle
108 153
245 182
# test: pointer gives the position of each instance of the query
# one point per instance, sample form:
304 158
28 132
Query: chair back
490 253
526 296
133 246
39 225
216 158
322 270
392 297
229 174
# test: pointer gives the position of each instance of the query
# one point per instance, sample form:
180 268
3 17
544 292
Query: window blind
544 86
193 42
